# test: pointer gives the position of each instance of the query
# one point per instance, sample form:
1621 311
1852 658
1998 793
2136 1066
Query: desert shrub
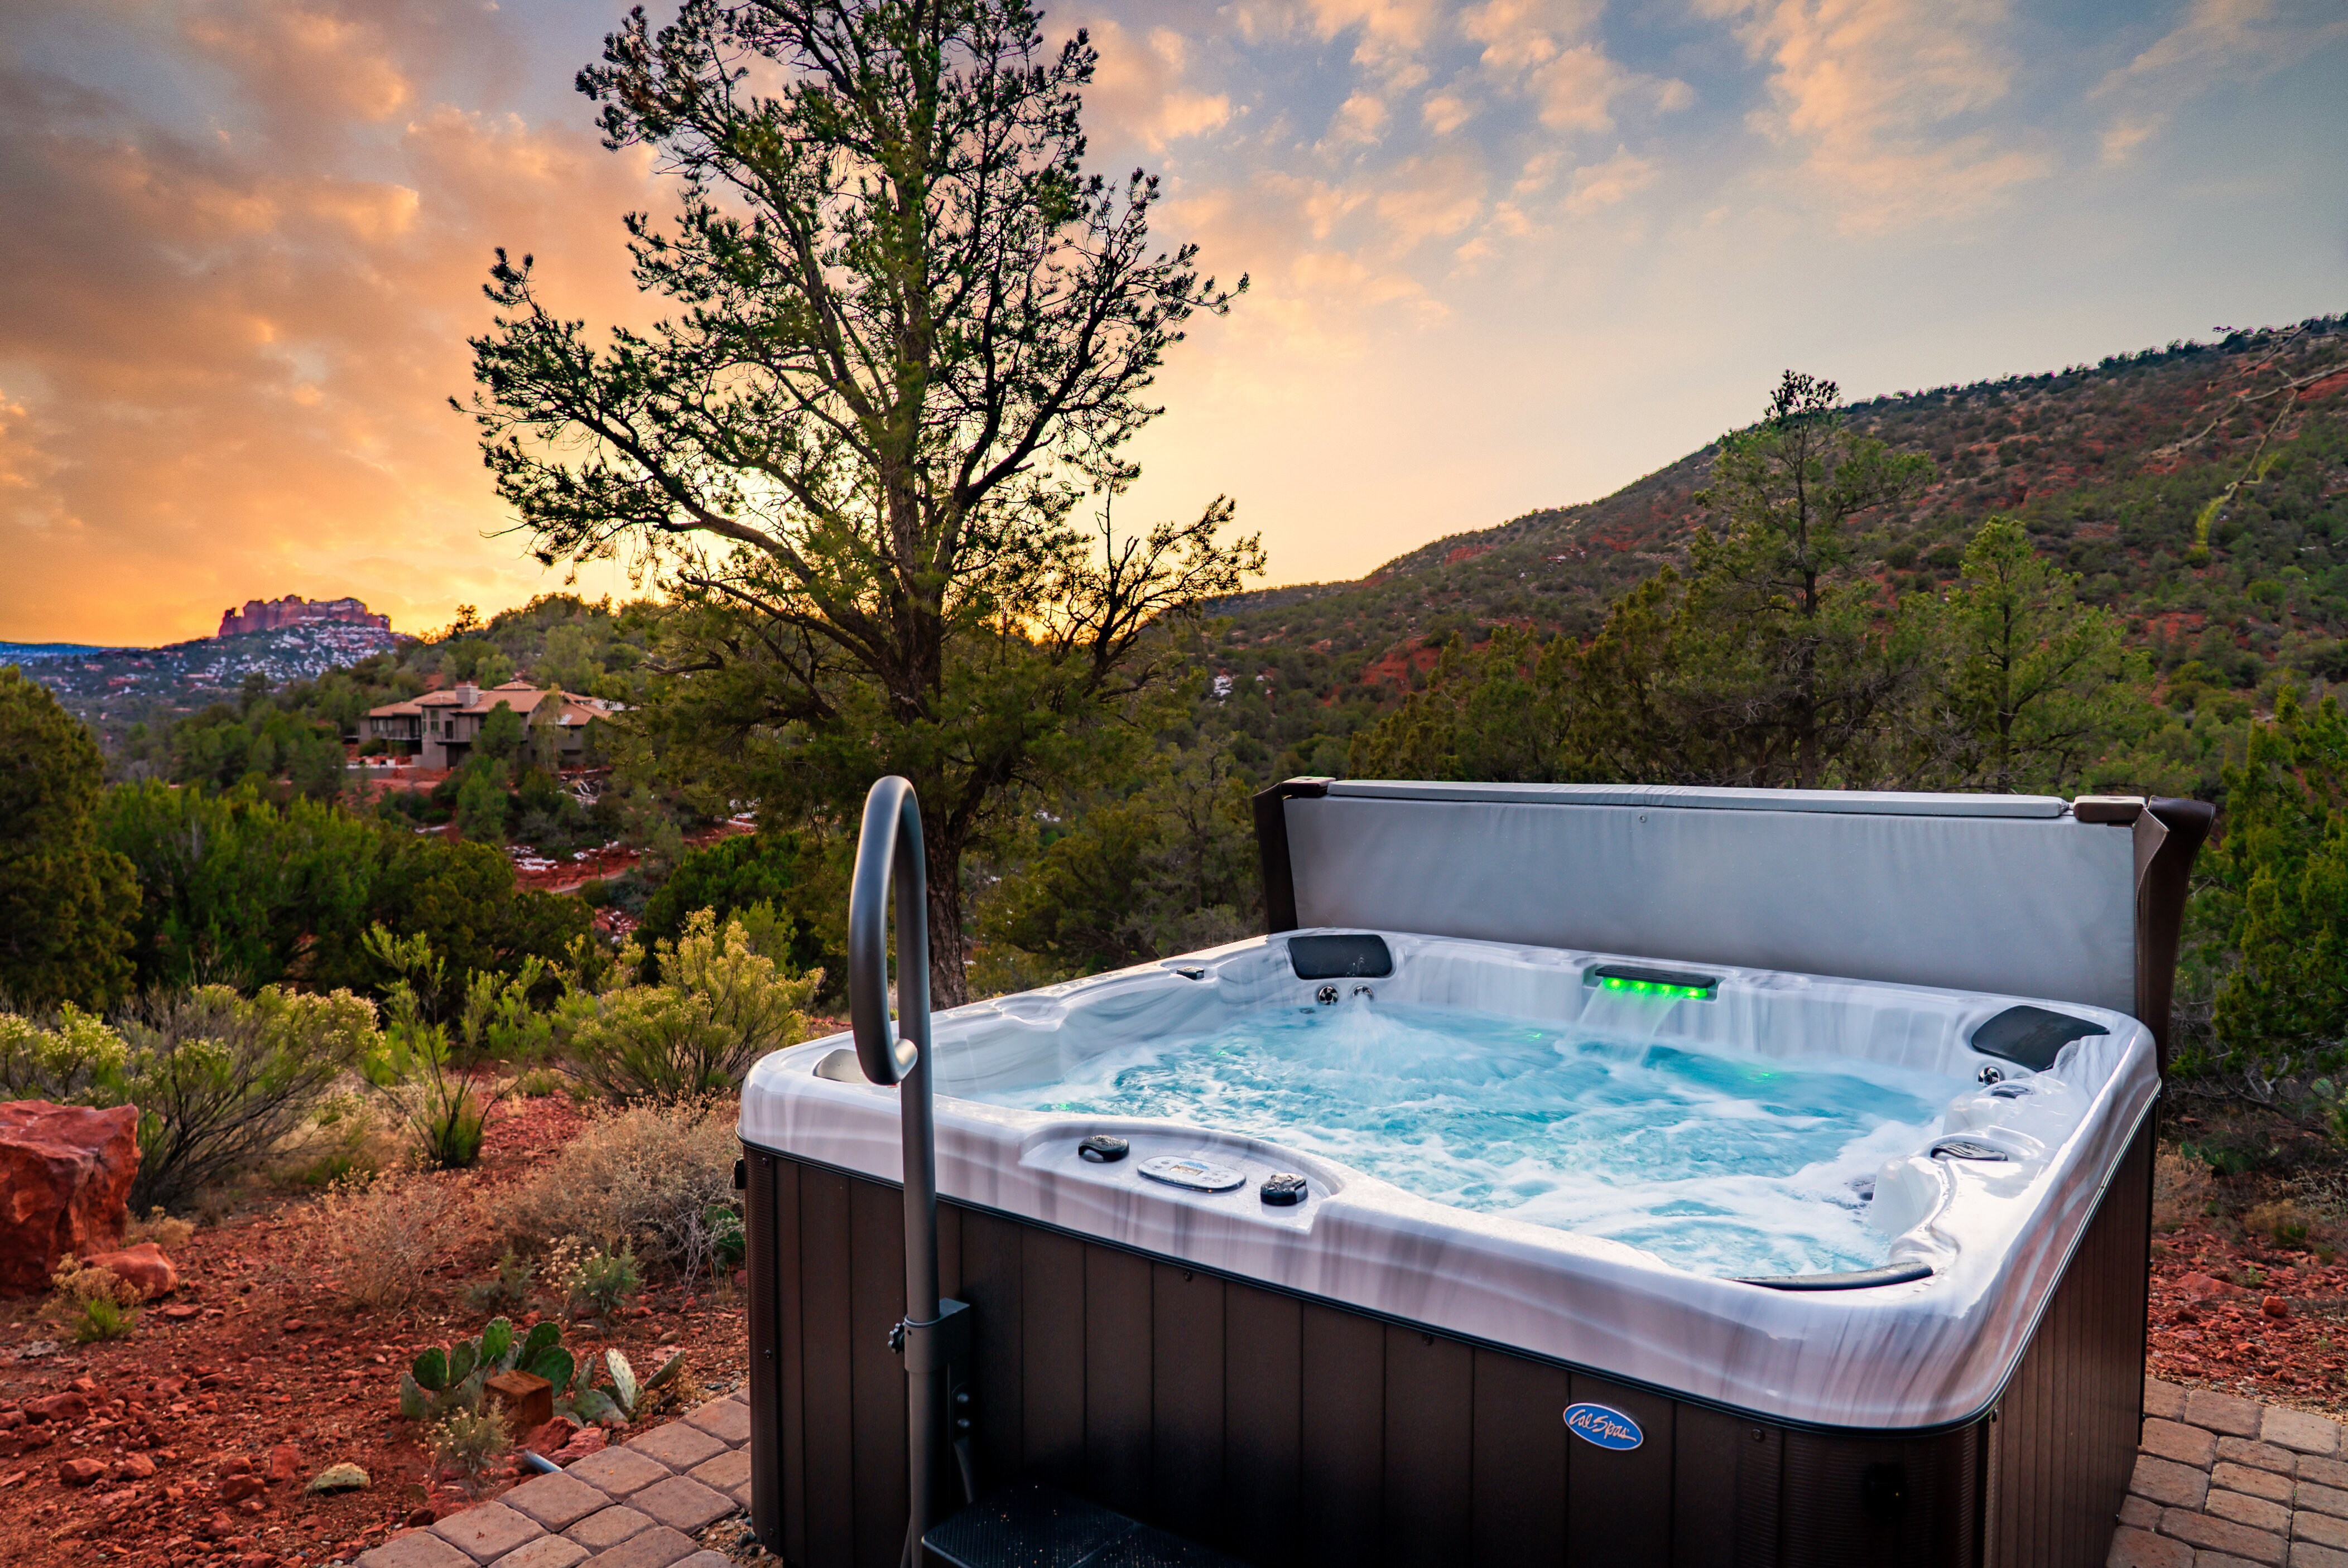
219 1080
71 1058
2181 1190
538 1082
445 1108
377 1237
507 1290
2281 1221
498 1022
465 1443
646 1177
594 1282
99 1303
164 1230
720 1005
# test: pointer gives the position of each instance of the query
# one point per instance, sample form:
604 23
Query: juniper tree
910 337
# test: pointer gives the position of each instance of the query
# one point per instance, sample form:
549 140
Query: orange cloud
225 349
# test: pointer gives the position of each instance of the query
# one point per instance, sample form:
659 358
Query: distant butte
276 614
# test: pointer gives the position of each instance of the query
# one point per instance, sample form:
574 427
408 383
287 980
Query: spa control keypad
1189 1170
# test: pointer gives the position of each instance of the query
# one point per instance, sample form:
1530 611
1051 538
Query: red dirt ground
269 1361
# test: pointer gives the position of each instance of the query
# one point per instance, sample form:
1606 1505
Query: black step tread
1029 1525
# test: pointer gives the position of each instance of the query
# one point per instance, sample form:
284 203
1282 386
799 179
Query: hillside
2108 465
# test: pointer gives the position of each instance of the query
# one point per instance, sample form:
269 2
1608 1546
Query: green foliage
797 878
2279 899
718 1008
466 1441
876 565
596 1282
235 889
441 1380
507 1289
499 1023
257 745
219 1080
481 801
100 1318
2025 688
461 899
501 734
728 1244
66 900
1168 868
446 1108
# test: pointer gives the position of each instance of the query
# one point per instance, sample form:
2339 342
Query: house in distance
438 729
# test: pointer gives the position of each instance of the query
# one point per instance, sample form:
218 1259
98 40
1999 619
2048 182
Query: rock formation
275 614
65 1183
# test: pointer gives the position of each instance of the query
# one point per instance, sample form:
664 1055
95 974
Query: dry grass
2181 1190
162 1229
377 1237
2282 1222
645 1176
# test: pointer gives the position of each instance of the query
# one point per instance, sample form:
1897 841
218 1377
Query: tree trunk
948 950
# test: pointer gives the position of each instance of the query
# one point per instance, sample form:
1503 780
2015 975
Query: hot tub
1446 1237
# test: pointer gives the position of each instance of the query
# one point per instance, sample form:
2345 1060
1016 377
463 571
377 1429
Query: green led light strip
1652 988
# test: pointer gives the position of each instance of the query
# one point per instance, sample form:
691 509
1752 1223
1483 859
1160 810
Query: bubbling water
1721 1162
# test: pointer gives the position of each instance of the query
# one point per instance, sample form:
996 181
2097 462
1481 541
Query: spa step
1032 1526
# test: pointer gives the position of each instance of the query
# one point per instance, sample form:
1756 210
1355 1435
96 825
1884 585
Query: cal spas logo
1603 1425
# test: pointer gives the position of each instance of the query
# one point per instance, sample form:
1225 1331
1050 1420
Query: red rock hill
275 614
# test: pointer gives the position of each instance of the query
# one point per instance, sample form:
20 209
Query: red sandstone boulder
143 1265
64 1179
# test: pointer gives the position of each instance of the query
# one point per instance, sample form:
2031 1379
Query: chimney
468 694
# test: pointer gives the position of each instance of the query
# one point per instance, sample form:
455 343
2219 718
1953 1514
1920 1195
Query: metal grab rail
891 840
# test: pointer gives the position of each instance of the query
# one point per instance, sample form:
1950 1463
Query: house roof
519 695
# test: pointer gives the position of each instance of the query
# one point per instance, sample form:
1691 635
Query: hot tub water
1721 1162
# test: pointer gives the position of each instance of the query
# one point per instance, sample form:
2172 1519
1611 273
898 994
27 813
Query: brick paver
557 1501
2176 1440
416 1549
689 1505
2222 1481
488 1532
652 1549
728 1420
680 1445
546 1551
726 1471
618 1471
601 1531
2298 1430
2227 1413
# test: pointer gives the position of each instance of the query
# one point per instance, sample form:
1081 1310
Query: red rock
2275 1306
80 1472
117 1500
235 1487
70 1406
217 1526
66 1171
589 1441
11 1420
134 1467
2201 1287
549 1438
419 1519
181 1314
84 1385
284 1464
143 1265
234 1464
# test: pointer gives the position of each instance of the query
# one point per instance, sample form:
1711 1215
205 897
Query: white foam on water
1722 1162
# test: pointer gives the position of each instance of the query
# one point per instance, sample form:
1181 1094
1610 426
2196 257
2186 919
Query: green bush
65 899
445 1108
720 1007
219 1080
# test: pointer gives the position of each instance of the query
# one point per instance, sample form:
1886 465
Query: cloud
1138 91
1883 98
1598 185
2213 41
228 339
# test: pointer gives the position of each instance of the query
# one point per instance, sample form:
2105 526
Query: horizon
1506 257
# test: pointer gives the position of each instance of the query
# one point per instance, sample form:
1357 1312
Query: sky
1502 256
